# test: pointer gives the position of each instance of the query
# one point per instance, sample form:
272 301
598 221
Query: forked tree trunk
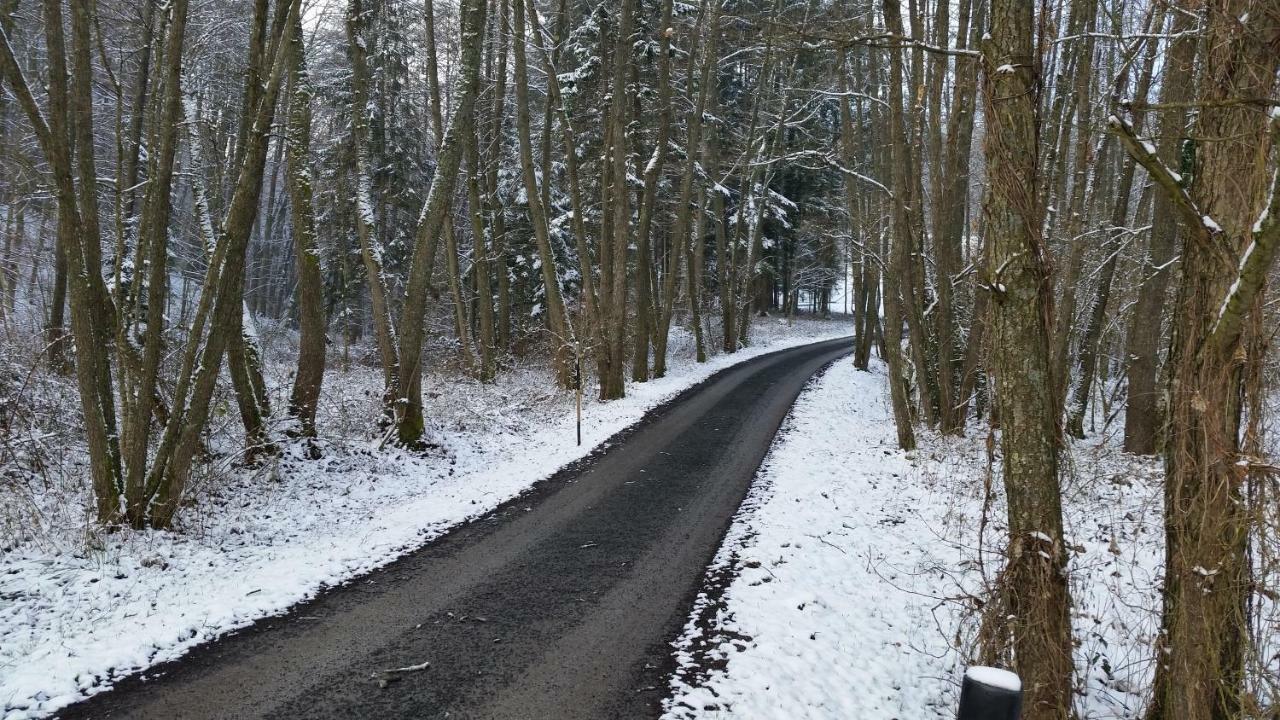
410 425
224 295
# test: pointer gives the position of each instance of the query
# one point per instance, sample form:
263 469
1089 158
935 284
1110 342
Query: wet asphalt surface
561 604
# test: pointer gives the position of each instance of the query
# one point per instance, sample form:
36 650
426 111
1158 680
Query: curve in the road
561 604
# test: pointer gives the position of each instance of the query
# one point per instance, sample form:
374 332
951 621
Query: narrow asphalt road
559 605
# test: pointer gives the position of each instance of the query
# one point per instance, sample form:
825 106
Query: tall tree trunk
484 293
749 281
366 230
244 365
494 328
79 238
853 205
244 357
562 340
1034 595
309 374
889 290
1087 356
193 393
1227 251
55 329
1087 157
951 196
908 228
724 259
592 309
1143 406
616 212
409 392
678 241
140 387
461 325
142 81
707 24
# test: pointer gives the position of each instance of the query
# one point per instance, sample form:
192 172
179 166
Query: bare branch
12 72
1145 155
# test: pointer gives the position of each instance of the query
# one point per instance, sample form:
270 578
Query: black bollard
990 694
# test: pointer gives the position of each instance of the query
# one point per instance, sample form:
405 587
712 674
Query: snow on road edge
850 581
814 620
72 622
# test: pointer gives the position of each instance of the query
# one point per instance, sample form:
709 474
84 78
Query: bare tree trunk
653 315
142 80
707 24
863 281
561 334
244 365
616 214
141 379
92 314
951 195
484 296
1143 406
366 232
1087 355
747 274
55 329
908 228
244 358
193 394
409 392
975 352
724 254
311 308
1086 158
679 245
492 261
592 309
696 263
1228 249
888 285
1035 599
8 269
461 326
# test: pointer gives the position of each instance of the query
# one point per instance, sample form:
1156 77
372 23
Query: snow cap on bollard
990 694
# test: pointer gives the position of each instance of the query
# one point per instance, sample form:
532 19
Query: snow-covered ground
80 608
849 583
